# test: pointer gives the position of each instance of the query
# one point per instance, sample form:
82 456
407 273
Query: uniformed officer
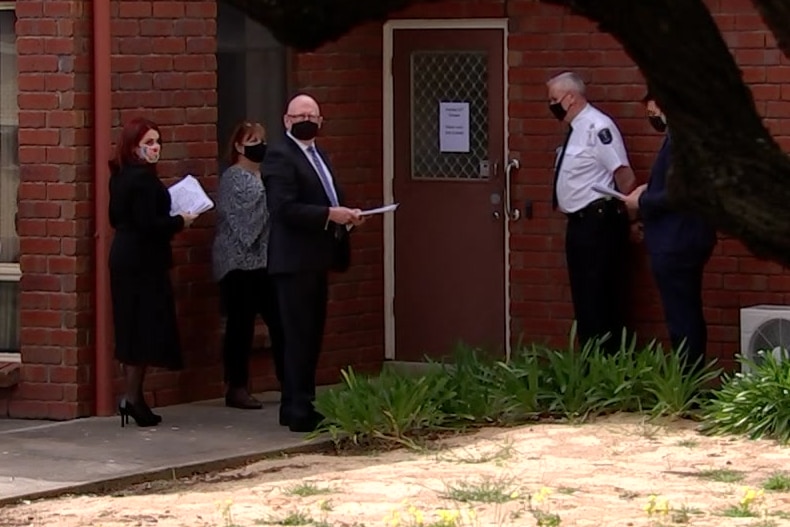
679 244
596 237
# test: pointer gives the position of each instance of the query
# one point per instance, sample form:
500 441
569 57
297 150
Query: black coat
143 304
301 238
140 215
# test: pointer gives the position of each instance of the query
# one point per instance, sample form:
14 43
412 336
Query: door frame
388 134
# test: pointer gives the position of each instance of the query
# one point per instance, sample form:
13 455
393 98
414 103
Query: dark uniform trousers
679 280
596 244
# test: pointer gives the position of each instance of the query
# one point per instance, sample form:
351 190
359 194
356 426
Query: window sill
10 272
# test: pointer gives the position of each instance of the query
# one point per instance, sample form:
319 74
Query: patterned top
241 238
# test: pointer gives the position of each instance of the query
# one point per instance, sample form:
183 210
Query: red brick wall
543 41
163 66
55 212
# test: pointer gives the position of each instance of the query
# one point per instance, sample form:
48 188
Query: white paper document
606 191
188 196
454 127
380 210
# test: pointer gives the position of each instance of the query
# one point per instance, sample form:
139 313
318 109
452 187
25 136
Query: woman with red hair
144 315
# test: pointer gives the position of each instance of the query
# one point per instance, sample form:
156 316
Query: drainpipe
102 124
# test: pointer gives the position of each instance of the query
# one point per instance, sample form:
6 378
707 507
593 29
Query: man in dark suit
309 237
680 243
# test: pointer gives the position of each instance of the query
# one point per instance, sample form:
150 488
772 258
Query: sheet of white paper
380 210
454 127
188 196
606 191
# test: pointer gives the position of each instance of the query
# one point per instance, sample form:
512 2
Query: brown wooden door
448 93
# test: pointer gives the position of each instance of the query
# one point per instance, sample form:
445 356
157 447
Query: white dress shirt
594 152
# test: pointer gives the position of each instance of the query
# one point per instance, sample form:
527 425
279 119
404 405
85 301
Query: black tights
134 376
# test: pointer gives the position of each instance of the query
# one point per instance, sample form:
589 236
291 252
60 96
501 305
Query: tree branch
776 15
725 163
307 24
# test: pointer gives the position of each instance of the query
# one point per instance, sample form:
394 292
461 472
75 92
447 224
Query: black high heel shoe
138 413
147 409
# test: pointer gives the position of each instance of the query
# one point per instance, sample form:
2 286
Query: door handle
513 214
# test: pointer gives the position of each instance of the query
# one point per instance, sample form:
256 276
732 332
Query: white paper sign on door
454 127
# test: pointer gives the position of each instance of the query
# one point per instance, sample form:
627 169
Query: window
9 182
252 79
252 84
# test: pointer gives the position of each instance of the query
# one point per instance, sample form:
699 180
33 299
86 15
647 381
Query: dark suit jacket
668 230
301 239
140 215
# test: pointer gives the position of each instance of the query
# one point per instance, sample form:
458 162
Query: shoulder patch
605 136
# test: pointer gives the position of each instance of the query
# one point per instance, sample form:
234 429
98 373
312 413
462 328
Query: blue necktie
323 176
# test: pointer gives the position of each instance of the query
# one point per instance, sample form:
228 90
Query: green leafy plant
474 389
392 407
755 403
572 380
476 379
677 385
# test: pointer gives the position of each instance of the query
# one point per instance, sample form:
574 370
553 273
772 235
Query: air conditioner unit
765 328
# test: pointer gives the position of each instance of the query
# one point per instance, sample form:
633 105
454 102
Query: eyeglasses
306 117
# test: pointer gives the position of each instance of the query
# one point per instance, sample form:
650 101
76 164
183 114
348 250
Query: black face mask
558 111
304 130
255 153
657 123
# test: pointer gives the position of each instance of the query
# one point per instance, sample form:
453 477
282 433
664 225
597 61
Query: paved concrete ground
41 458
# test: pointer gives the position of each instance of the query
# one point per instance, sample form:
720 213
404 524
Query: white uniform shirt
595 150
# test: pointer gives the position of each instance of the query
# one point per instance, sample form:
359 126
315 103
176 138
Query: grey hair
569 81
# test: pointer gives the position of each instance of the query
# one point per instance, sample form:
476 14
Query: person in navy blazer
679 243
309 237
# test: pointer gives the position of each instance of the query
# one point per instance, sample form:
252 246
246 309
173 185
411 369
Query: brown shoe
241 398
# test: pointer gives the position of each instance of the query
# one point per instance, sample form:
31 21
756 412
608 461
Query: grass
688 443
721 475
292 518
466 456
567 490
778 482
487 490
738 512
306 489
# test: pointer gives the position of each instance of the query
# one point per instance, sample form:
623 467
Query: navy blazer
667 230
301 239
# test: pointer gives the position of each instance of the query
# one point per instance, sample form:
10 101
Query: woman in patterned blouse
239 257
